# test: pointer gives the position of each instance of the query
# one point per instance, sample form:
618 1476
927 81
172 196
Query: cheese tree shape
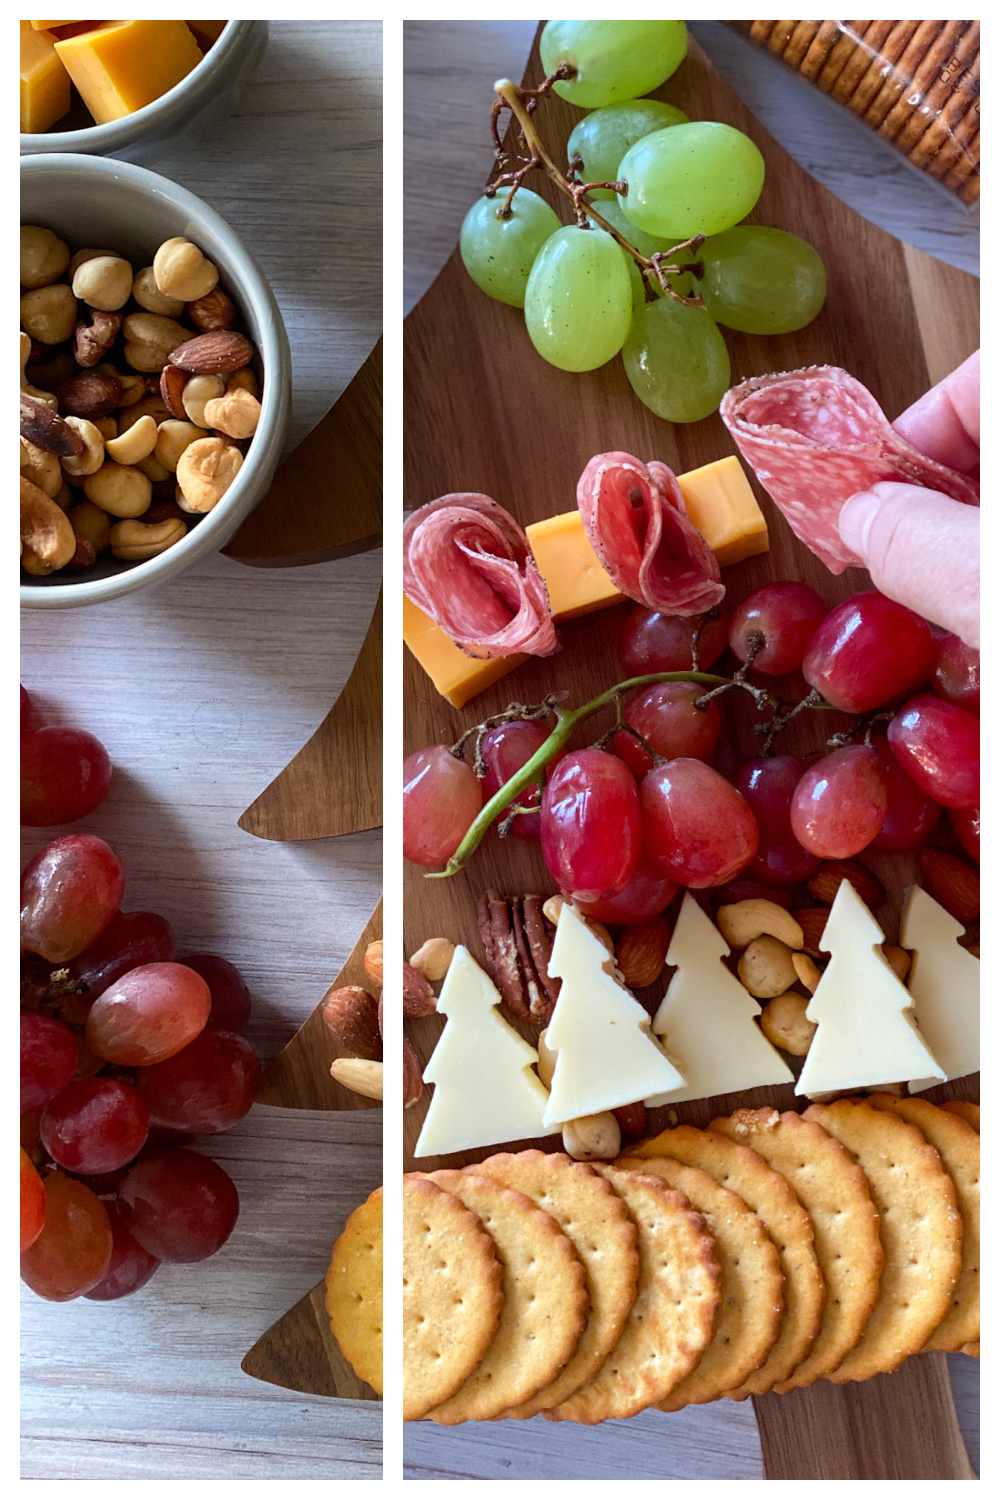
867 1031
606 1053
943 983
708 1021
485 1087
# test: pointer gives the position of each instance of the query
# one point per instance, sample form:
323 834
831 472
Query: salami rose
467 564
816 437
634 516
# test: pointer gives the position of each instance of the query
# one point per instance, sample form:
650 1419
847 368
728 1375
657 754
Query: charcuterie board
484 413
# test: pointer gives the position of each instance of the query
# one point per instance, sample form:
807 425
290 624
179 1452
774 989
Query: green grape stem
658 268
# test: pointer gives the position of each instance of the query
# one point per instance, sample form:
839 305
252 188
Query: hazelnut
48 313
373 962
136 442
171 440
148 295
433 958
91 523
133 541
199 390
205 471
119 490
180 270
107 427
92 457
105 282
82 256
41 468
154 470
236 414
592 1138
150 339
44 256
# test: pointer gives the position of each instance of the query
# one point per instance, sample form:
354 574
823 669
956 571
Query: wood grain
300 1353
529 431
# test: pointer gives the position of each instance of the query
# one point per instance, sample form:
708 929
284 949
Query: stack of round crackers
762 1254
915 82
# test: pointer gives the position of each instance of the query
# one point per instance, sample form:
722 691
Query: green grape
676 360
499 253
691 179
578 304
602 138
762 280
614 60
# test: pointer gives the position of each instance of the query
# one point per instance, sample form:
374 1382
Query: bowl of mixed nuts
155 380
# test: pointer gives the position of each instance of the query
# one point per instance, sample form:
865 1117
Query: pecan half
518 944
91 341
47 430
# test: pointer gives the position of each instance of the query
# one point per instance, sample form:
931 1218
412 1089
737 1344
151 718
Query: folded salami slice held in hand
467 564
816 437
633 514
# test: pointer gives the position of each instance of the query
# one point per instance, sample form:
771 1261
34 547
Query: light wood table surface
202 691
449 70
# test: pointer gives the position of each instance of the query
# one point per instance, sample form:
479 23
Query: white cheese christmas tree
943 984
485 1088
606 1054
867 1032
708 1021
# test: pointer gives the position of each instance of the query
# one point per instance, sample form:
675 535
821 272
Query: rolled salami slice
634 515
467 564
816 437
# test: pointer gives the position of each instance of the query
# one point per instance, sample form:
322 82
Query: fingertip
855 521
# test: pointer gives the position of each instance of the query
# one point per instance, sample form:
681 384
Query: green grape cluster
584 298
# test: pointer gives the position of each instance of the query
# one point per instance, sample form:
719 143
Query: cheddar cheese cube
456 676
575 579
124 65
721 505
44 82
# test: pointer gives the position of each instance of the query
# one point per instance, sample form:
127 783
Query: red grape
867 651
590 824
30 1121
697 827
32 1202
69 893
768 783
230 996
73 1251
505 750
206 1087
911 814
937 746
965 821
956 673
784 616
25 708
130 939
130 1268
840 803
49 1058
646 895
148 1015
441 797
65 774
666 716
95 1125
653 642
179 1205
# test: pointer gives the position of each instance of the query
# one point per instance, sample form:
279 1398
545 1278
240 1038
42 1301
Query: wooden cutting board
483 412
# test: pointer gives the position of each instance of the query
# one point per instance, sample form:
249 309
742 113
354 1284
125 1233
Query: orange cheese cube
125 65
721 505
456 676
44 84
207 32
575 579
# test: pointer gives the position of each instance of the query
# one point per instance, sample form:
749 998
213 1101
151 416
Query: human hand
921 548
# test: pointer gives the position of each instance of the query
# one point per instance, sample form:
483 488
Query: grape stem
659 267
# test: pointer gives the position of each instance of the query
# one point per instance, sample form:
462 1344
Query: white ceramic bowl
96 200
206 95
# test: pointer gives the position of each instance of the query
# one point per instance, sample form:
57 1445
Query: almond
352 1015
641 951
89 395
825 883
362 1075
953 883
373 963
813 920
47 430
413 1079
418 997
212 312
171 385
631 1120
218 353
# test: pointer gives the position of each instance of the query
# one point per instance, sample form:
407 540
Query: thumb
921 549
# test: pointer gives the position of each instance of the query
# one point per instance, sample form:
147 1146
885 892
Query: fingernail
855 521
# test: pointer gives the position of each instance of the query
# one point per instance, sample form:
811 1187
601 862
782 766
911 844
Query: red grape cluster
623 823
125 1055
65 773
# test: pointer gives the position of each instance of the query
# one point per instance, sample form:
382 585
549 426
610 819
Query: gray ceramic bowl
205 96
95 200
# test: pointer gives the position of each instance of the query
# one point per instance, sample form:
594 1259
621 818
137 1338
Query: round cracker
834 1193
354 1291
786 1221
593 1217
545 1300
919 1226
452 1295
672 1320
965 1110
751 1289
957 1144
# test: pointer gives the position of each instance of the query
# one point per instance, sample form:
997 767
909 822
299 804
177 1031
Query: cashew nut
48 541
783 1022
135 541
746 920
136 442
150 339
147 406
41 468
592 1138
243 380
26 386
92 457
766 968
92 524
808 972
119 490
